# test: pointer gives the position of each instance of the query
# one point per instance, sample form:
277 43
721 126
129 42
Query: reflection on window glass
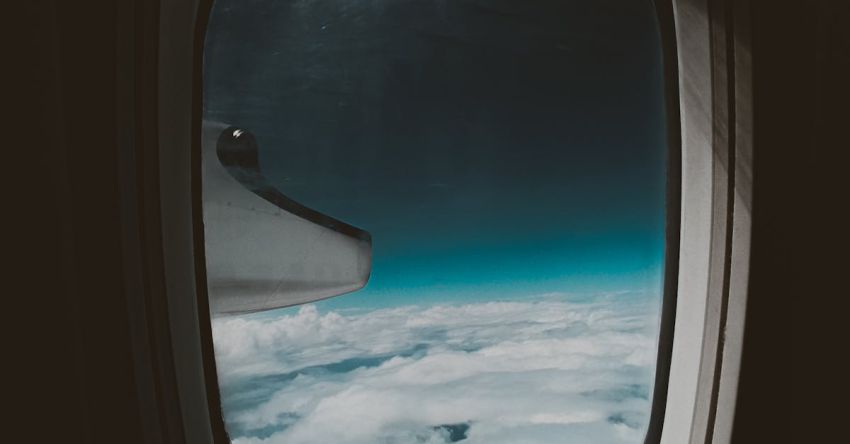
495 168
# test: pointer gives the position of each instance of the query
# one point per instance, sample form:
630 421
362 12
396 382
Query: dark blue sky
494 149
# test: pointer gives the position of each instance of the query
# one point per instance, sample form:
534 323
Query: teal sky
494 150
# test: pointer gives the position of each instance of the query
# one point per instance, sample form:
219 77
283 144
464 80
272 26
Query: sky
488 146
508 159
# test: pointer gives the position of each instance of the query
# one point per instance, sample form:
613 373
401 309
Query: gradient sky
494 149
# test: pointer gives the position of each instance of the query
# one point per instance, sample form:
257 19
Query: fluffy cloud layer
509 372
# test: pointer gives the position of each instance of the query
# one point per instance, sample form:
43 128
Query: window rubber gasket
667 31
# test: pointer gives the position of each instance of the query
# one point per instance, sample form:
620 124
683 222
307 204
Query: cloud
506 372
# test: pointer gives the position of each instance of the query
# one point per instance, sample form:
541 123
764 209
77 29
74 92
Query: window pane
494 168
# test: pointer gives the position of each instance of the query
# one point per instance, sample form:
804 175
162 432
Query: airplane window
435 221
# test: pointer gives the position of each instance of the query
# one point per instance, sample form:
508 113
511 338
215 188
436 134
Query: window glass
479 183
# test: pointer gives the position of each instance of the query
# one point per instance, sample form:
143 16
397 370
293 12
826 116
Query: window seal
664 356
219 430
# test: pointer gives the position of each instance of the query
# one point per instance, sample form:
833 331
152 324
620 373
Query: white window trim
713 260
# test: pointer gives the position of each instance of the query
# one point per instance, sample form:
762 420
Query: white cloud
507 372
